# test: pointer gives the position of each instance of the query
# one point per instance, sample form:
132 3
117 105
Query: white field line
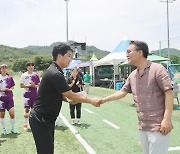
88 110
78 136
111 124
174 148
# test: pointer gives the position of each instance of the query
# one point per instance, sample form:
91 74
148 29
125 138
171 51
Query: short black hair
29 64
60 49
140 45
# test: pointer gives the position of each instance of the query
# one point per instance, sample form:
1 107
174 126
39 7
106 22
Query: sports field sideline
112 128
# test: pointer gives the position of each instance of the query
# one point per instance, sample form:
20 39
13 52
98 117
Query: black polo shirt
49 99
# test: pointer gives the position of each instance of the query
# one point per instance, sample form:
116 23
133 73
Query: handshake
97 101
94 101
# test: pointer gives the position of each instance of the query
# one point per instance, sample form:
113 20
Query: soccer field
112 128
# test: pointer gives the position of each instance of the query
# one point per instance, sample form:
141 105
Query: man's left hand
166 126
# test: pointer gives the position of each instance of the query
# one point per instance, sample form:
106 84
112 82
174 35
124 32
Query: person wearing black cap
52 91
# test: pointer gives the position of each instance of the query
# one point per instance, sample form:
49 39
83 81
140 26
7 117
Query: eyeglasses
129 51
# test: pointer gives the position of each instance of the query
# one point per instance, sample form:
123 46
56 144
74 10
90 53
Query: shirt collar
148 64
57 66
146 67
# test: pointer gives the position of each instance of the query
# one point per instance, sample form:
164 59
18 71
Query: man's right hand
96 102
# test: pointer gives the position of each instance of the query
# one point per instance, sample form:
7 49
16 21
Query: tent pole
114 79
92 73
93 76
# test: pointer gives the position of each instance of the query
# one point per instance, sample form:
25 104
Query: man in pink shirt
151 88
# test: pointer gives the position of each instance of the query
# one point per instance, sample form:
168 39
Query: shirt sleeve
127 86
59 83
163 79
38 79
12 82
22 78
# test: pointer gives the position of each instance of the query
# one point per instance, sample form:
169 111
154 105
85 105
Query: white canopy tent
117 56
114 58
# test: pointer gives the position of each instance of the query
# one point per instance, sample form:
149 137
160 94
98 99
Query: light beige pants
86 87
153 142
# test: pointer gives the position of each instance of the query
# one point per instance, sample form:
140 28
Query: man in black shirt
52 90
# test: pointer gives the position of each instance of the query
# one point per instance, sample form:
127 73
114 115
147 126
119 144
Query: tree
175 59
20 65
42 62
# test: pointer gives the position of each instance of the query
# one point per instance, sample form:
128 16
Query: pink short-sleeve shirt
148 92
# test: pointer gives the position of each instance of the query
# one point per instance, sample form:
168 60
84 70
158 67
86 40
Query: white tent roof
113 58
117 56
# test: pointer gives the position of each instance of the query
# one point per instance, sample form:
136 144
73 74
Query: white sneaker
57 123
78 121
73 122
5 132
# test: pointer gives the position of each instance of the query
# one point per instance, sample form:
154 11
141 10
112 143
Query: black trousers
78 110
43 133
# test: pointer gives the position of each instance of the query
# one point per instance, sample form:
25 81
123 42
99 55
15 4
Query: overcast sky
101 23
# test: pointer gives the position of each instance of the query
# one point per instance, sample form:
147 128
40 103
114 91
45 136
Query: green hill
42 49
164 52
11 54
83 54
